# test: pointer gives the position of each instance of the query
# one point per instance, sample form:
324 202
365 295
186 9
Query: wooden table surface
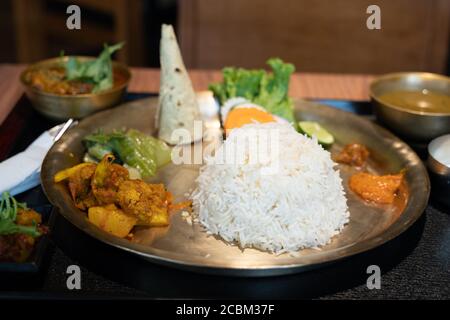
303 85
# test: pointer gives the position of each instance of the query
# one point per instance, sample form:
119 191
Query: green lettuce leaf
134 148
270 90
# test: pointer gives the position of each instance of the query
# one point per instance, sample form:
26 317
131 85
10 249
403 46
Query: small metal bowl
63 107
439 168
418 126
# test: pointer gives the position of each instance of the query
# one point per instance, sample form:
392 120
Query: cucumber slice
313 129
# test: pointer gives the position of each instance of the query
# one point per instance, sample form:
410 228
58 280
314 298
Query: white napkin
22 171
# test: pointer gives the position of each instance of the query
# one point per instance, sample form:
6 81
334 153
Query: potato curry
116 203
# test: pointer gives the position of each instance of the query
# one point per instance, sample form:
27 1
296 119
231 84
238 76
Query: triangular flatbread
178 106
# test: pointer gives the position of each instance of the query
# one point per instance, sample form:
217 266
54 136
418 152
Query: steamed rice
299 204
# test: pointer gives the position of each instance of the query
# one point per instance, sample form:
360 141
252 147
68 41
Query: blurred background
315 35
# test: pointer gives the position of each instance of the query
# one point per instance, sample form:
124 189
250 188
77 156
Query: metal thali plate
187 246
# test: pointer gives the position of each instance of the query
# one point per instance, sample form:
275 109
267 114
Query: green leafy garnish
134 148
269 90
8 214
98 72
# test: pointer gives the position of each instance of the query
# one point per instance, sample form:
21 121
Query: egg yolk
241 116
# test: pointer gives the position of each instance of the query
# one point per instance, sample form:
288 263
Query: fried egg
238 112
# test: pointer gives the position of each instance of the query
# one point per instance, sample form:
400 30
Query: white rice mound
300 205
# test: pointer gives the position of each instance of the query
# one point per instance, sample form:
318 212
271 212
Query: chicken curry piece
106 180
79 186
353 154
374 188
144 201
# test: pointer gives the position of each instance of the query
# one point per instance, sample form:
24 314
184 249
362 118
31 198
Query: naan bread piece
178 106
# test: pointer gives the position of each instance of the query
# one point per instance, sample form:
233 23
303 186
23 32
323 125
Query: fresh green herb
134 148
270 90
8 214
99 72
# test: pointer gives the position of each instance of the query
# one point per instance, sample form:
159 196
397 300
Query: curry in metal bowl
76 86
418 100
416 105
